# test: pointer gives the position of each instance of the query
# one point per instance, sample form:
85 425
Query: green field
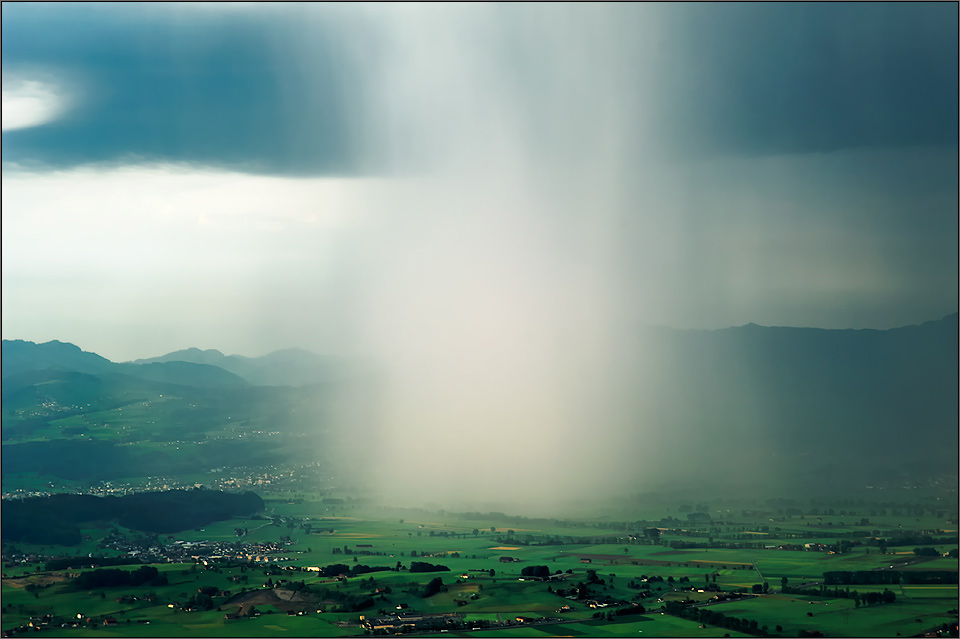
310 532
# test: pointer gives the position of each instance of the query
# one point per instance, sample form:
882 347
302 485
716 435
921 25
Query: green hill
21 357
288 367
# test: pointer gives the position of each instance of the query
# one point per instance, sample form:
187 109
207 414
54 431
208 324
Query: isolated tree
432 588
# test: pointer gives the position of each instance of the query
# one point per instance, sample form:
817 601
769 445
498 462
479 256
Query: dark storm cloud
777 78
549 178
213 87
234 88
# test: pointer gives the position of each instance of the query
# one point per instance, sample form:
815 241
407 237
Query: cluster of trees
422 566
175 510
203 598
54 519
432 588
646 585
107 577
714 618
335 570
580 591
868 598
536 571
883 577
915 540
455 555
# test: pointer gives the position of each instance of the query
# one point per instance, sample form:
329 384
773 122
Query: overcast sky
486 181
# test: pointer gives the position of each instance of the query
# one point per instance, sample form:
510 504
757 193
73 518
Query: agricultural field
315 565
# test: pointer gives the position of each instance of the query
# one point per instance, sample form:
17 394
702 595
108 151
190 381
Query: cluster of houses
410 622
50 622
180 551
559 576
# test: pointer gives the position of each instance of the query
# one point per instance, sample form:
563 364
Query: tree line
714 618
866 599
54 519
884 577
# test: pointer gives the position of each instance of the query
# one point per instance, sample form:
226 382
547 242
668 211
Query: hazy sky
431 185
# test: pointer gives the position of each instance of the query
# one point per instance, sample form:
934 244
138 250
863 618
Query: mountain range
189 367
843 405
288 367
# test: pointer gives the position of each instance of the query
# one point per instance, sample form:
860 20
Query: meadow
603 566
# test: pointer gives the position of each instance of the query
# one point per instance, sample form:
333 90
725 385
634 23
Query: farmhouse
507 560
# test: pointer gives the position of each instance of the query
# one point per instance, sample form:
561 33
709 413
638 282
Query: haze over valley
793 410
535 319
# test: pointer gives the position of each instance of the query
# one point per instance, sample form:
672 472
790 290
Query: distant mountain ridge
287 367
192 366
195 355
757 402
845 401
21 357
